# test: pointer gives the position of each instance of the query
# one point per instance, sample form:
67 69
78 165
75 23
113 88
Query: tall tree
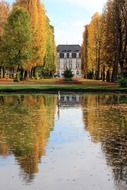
94 46
107 42
17 38
84 52
4 11
49 59
42 34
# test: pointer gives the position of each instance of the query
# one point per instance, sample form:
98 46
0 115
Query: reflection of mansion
70 100
69 56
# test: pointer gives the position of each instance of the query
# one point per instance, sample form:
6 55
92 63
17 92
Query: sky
70 16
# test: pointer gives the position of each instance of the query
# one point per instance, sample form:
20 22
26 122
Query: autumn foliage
104 47
38 49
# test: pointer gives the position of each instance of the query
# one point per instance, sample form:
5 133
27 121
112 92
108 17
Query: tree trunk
22 74
115 72
3 72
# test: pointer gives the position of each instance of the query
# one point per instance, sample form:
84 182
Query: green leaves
26 39
17 37
68 73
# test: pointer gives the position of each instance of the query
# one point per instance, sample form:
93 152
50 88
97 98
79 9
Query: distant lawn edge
54 89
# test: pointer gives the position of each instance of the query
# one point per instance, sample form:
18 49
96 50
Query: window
67 55
77 66
70 60
61 55
73 98
77 72
73 55
70 66
62 98
65 60
68 98
65 65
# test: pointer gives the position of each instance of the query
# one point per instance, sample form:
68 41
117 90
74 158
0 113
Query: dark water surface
72 142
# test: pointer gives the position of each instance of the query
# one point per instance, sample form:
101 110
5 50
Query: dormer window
73 55
62 55
67 55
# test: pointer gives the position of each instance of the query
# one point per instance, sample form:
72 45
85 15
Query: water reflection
25 125
70 100
105 117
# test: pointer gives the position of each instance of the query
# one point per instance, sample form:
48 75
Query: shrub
68 74
123 82
90 75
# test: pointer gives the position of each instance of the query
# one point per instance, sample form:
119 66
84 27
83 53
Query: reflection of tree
25 125
105 118
3 146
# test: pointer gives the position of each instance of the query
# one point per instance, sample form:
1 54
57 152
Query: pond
67 142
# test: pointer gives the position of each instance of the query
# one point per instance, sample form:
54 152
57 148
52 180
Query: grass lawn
54 81
54 85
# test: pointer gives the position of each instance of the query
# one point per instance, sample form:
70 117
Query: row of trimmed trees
104 47
27 46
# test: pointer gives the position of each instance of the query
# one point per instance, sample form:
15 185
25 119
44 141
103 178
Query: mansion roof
68 48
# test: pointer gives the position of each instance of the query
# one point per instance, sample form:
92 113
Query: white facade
68 56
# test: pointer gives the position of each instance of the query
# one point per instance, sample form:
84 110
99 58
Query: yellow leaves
91 37
26 133
4 11
40 30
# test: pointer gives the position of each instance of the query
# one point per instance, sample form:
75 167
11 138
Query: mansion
69 56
